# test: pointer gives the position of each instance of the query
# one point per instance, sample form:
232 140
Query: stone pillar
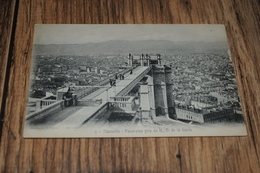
165 99
144 102
61 92
74 100
144 98
38 104
151 98
60 95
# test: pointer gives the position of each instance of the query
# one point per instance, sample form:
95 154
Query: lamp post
130 60
159 58
147 59
107 93
142 60
115 90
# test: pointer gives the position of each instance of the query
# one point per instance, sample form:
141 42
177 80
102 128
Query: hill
125 47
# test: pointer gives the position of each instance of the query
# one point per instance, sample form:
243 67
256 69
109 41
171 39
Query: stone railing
89 102
57 106
99 112
47 102
43 102
125 103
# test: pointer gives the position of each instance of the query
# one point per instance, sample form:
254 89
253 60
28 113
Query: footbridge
92 101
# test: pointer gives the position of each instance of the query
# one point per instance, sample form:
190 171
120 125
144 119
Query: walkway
120 85
83 113
101 90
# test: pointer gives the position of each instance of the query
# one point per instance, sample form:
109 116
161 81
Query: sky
85 33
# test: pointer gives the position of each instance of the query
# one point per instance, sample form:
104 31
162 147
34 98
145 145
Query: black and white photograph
132 80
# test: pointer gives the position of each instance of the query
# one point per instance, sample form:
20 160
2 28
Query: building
156 87
202 116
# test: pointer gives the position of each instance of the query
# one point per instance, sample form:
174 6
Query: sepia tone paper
132 81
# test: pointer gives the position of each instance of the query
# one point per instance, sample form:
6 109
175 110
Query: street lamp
147 59
159 58
130 59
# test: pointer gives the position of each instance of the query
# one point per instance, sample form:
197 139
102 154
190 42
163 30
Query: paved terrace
80 114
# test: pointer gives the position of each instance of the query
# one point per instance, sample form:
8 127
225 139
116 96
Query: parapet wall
98 113
57 106
89 102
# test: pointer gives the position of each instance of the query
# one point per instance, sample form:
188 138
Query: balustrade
47 102
125 103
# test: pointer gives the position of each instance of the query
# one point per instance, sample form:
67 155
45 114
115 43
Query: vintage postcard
92 81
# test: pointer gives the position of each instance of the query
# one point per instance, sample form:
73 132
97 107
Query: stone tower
163 98
160 94
169 89
156 93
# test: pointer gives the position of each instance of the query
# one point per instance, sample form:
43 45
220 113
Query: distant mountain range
126 47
